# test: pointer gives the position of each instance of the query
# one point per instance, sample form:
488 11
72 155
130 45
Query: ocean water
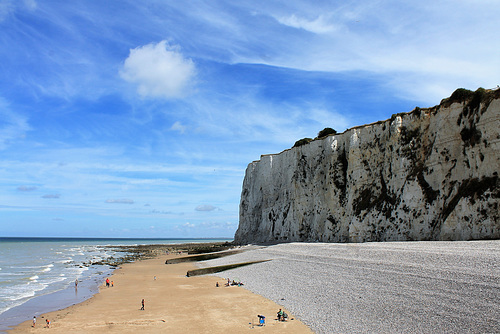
37 275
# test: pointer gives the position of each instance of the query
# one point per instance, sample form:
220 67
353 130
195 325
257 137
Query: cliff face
430 174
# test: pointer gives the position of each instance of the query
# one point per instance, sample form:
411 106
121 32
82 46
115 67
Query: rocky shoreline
141 252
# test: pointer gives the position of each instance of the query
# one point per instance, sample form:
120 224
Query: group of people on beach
238 283
109 283
47 322
282 316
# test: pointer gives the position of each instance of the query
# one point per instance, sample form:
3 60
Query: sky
126 118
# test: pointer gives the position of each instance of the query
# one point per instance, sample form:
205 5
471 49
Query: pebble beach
388 287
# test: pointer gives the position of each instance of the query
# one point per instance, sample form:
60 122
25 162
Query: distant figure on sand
142 308
34 321
48 323
216 284
262 320
107 282
280 315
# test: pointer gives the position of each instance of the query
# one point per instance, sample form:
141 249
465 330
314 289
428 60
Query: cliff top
470 99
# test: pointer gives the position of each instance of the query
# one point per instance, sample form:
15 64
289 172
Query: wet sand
174 303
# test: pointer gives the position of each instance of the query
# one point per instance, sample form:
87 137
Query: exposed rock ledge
430 174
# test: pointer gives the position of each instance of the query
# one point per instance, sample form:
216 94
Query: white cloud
205 208
159 71
177 126
318 26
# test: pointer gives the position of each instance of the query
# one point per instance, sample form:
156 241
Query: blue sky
138 118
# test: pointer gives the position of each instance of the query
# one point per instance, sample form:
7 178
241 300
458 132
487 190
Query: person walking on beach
34 321
76 283
48 323
142 308
107 282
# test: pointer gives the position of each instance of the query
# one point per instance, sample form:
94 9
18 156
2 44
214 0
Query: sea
38 275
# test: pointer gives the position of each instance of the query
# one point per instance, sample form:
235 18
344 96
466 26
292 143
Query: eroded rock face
430 174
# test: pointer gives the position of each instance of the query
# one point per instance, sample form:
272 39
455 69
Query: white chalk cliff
430 174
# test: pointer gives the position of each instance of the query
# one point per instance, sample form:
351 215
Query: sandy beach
174 303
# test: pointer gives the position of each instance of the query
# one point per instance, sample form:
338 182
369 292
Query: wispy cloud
162 212
205 207
51 196
8 7
219 226
120 201
13 126
418 46
319 25
177 126
159 70
27 188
